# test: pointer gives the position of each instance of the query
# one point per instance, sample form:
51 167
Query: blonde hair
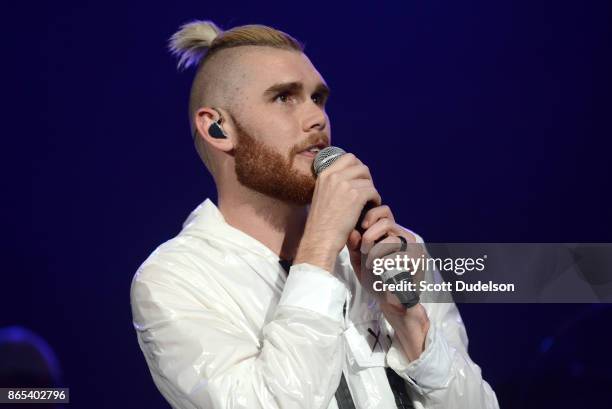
196 42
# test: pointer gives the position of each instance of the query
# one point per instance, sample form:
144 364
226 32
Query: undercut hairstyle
197 42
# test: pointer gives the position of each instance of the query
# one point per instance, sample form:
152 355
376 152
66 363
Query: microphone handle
407 298
366 208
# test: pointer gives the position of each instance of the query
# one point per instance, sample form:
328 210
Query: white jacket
221 325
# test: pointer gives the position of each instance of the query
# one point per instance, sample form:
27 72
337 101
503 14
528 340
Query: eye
318 99
283 97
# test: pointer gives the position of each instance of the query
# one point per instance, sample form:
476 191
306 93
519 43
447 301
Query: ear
204 118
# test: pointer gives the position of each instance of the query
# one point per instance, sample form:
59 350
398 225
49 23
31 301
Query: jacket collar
207 221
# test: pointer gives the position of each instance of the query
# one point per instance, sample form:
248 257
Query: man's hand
341 192
411 325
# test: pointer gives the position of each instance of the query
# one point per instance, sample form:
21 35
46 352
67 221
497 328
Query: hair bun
192 41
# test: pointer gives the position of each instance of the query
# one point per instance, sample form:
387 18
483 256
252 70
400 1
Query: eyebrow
296 87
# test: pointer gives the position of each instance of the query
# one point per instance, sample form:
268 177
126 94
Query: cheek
279 131
273 125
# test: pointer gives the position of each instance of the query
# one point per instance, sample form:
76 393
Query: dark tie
343 394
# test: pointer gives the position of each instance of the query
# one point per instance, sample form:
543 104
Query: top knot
192 41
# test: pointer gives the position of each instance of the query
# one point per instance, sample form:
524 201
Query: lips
312 150
308 154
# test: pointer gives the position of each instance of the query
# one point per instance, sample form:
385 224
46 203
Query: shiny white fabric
222 326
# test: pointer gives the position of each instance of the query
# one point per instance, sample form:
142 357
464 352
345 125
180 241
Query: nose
315 117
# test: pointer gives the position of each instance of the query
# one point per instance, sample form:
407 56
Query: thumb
354 240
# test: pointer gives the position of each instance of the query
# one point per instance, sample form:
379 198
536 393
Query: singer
257 302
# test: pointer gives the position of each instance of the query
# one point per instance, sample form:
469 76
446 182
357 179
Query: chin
304 169
308 173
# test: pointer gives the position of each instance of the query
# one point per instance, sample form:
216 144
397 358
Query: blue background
481 121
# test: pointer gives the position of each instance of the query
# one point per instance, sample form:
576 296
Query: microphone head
326 157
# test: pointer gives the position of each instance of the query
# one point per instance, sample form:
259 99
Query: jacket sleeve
444 376
201 358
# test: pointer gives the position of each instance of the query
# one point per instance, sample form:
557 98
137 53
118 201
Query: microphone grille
326 157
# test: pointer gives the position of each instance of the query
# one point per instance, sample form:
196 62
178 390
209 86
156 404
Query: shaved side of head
220 57
217 83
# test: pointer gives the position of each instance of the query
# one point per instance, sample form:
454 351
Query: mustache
313 139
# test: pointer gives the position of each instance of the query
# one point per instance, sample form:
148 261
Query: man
256 303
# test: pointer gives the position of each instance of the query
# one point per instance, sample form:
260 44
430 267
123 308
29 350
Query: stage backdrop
481 121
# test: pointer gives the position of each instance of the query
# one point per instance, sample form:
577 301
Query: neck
278 225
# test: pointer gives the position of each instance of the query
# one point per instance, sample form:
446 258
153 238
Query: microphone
324 159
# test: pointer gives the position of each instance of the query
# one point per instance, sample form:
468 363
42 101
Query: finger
353 241
359 171
363 192
357 176
375 214
392 245
381 250
387 250
375 232
360 183
385 263
370 194
344 161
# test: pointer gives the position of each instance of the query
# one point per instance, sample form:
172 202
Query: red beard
266 171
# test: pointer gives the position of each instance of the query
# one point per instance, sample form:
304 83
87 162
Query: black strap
343 395
398 386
